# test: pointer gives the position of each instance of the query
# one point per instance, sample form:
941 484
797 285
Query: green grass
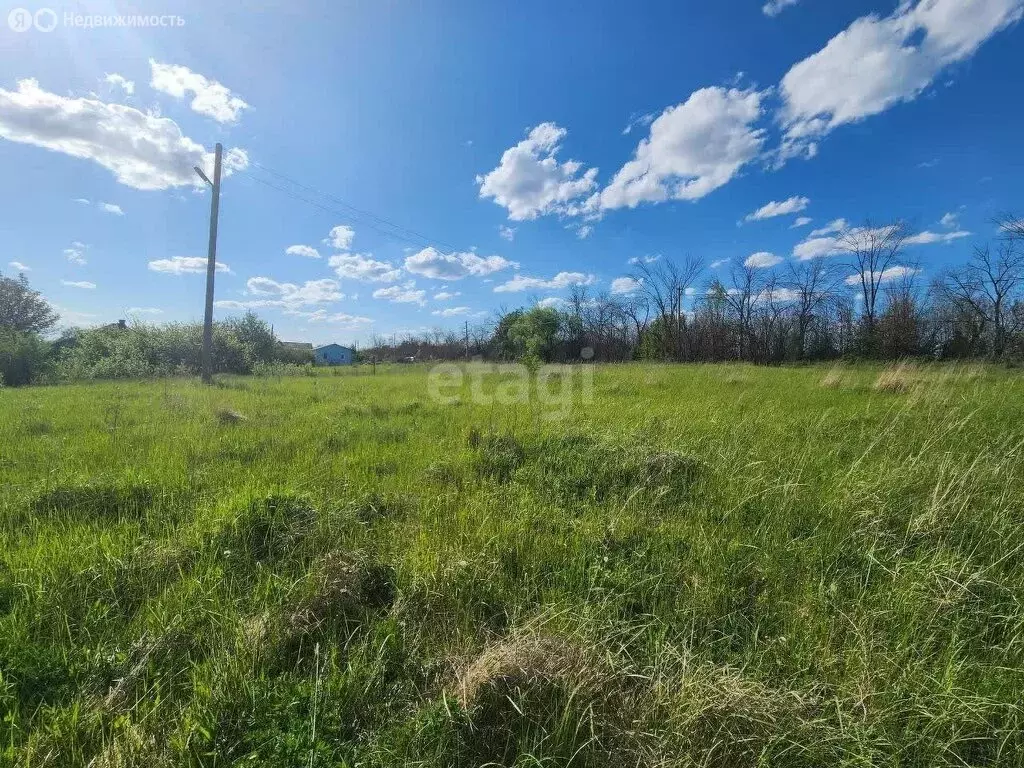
705 566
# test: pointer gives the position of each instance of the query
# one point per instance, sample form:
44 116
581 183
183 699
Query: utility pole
211 264
679 322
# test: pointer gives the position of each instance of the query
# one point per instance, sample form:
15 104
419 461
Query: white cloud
644 259
302 250
401 294
878 62
79 284
210 97
142 150
82 200
341 237
451 312
625 285
719 263
793 204
893 273
529 181
559 281
801 221
454 266
584 231
692 149
551 302
762 260
834 226
76 253
111 208
445 295
343 320
119 81
143 311
928 238
181 265
775 7
950 221
19 266
358 266
637 121
290 295
507 233
813 247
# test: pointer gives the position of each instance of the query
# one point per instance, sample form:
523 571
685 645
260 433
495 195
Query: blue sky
461 156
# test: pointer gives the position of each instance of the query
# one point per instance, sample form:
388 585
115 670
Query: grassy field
704 566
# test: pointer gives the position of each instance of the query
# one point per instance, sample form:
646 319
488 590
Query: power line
370 219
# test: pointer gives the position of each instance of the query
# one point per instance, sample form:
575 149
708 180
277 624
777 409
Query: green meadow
714 565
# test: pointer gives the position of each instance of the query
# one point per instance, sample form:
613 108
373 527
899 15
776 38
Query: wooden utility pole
211 265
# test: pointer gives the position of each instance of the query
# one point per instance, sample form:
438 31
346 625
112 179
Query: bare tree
874 253
986 287
665 283
813 285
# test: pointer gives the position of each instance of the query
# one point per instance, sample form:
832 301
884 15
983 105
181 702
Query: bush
23 358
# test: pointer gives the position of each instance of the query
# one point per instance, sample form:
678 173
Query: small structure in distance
334 354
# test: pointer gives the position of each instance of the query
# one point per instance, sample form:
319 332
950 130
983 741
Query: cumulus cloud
454 266
834 226
111 208
878 62
801 221
559 281
928 238
814 247
343 320
341 237
76 253
119 81
885 276
691 150
950 221
769 210
305 251
530 182
79 284
183 265
406 293
644 259
19 266
775 7
141 150
762 260
210 98
625 285
358 266
451 312
272 293
507 233
445 295
719 263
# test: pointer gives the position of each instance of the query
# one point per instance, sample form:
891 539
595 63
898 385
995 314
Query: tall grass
707 566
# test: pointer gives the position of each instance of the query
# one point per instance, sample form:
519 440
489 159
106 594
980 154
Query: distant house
334 354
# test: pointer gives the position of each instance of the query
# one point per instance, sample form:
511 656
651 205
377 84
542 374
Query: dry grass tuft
834 379
522 662
896 379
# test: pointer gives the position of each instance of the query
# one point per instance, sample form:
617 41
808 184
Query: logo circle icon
45 20
20 20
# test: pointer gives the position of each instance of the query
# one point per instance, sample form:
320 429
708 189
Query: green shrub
23 358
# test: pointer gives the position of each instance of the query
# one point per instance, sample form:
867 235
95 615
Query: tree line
865 299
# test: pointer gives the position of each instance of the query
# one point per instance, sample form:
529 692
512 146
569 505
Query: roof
334 346
297 344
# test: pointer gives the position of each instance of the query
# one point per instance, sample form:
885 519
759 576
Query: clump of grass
98 501
229 416
834 379
896 379
267 528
